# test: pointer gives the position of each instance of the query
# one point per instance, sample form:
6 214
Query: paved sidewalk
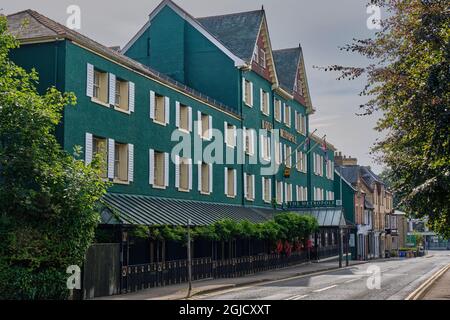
439 290
179 291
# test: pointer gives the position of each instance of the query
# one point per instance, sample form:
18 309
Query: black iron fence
329 251
144 276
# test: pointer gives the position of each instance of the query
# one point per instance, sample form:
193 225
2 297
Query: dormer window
299 86
262 58
256 54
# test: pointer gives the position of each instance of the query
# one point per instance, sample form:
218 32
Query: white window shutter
235 182
244 137
210 127
131 96
253 186
290 190
151 167
261 146
190 119
226 180
245 186
88 149
130 162
268 102
296 120
270 190
251 94
152 104
243 89
90 80
167 109
177 114
190 174
210 166
225 130
199 123
199 175
304 124
112 89
285 191
263 186
251 137
111 158
166 169
177 171
314 163
261 99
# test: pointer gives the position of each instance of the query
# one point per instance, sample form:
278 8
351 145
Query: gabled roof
238 31
193 22
345 180
289 63
31 26
369 176
350 173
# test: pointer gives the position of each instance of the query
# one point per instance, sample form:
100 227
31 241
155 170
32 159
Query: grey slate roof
237 31
39 26
369 176
287 61
146 210
349 173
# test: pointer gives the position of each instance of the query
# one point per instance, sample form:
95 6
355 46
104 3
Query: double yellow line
420 292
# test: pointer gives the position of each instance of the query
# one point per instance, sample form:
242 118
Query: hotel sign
283 133
311 204
288 136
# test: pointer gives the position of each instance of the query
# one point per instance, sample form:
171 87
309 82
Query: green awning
146 210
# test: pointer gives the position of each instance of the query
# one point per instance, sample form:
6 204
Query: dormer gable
290 65
262 60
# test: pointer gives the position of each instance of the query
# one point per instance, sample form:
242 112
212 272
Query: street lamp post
340 247
189 258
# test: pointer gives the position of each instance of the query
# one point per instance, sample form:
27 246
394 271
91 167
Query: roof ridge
287 49
49 23
76 36
229 14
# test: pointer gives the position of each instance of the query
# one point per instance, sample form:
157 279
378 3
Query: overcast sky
321 26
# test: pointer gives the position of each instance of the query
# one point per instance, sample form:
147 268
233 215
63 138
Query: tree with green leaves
408 82
48 207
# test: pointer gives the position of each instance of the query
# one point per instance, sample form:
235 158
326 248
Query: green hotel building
198 119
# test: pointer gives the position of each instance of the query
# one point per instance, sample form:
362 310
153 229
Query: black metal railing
144 276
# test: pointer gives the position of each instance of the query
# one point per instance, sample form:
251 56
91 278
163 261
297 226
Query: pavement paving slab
439 290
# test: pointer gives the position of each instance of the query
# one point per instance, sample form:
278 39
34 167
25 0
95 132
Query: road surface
398 278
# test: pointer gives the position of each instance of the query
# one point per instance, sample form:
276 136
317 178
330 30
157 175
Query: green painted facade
175 48
348 197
